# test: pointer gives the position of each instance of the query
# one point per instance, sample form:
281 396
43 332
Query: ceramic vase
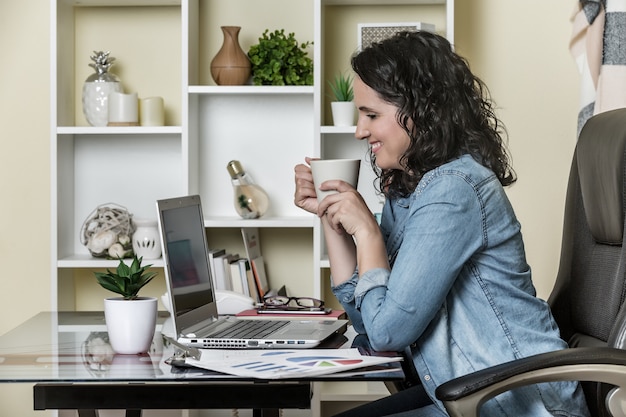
146 239
130 323
96 90
231 65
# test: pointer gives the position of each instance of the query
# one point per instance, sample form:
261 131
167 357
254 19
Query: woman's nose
361 131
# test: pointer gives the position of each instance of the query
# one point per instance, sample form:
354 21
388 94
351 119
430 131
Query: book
227 260
245 272
214 253
253 253
253 314
236 283
251 242
260 277
222 280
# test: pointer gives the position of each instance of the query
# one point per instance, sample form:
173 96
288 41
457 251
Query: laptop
192 295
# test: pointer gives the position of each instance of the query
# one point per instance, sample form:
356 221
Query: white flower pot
343 113
130 323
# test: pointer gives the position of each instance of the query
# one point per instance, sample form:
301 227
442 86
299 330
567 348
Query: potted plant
130 319
342 106
279 59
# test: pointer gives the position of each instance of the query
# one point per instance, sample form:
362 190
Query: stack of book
247 275
243 274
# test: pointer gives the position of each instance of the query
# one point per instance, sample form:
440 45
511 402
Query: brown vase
231 65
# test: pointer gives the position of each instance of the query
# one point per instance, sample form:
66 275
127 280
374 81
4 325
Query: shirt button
427 377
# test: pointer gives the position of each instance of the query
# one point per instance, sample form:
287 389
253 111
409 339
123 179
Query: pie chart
324 361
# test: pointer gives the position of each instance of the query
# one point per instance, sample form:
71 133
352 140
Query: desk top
73 347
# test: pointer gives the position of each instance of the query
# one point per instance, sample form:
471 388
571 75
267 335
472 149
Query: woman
445 273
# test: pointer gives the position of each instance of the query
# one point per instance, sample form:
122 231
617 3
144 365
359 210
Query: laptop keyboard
249 329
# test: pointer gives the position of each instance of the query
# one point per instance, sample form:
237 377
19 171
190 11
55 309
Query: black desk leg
94 413
266 412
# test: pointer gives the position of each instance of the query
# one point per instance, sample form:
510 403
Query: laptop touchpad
300 332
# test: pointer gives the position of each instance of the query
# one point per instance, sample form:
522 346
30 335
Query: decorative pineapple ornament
97 88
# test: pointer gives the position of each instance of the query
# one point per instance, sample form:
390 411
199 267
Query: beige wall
24 180
518 48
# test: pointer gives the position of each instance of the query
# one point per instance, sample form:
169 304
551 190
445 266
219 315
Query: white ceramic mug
334 169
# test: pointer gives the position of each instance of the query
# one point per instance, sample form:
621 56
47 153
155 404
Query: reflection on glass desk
67 356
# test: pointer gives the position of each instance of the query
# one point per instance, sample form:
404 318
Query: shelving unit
164 48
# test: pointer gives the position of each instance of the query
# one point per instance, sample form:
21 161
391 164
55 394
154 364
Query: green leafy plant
279 59
341 87
127 280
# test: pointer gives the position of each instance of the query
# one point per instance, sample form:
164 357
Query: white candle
123 109
151 111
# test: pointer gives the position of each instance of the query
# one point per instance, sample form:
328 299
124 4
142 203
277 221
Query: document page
285 363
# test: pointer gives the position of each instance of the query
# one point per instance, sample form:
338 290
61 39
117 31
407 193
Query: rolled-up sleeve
350 293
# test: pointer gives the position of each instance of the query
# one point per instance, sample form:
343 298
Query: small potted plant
130 319
279 59
342 106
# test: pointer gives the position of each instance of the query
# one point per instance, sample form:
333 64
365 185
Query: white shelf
119 130
120 3
268 128
250 90
276 222
340 130
88 261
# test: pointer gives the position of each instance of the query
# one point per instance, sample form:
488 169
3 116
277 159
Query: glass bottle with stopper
250 200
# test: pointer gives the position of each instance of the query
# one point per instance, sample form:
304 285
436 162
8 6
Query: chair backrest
588 297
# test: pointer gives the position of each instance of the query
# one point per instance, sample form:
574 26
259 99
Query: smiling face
378 125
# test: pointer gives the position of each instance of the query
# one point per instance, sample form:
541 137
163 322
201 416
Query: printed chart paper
285 363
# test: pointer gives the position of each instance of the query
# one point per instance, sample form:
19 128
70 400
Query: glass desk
67 356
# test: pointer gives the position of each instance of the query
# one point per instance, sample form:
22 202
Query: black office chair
588 297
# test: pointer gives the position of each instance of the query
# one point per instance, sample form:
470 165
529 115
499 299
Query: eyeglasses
280 302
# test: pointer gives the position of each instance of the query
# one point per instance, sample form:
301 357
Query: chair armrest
464 396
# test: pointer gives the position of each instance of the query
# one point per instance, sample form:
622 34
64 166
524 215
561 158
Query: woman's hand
347 214
305 196
346 211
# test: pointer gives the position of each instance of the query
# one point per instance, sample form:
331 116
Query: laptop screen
186 263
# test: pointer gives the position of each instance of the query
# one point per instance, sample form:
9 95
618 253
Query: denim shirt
459 293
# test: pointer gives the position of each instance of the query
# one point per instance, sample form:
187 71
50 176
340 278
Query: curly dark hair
446 110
